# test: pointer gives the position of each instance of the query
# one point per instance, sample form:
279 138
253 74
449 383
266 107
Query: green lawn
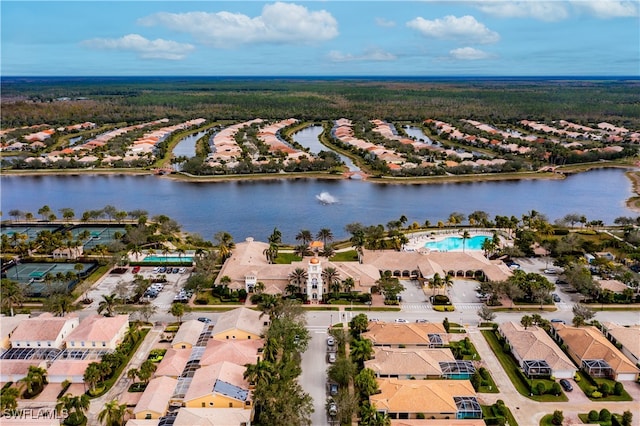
511 368
586 387
345 256
489 411
287 258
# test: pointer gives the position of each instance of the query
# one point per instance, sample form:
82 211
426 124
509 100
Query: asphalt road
314 372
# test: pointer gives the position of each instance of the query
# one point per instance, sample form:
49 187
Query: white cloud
368 55
278 23
145 48
541 10
558 10
606 9
465 28
468 53
381 22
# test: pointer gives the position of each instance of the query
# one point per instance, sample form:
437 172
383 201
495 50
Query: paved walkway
121 385
528 412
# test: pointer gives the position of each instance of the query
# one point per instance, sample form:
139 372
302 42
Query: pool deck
418 240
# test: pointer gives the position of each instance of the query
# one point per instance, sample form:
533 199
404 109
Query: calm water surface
254 208
308 137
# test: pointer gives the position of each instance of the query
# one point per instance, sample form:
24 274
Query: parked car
332 388
401 320
566 385
550 271
332 408
556 298
558 320
135 269
331 357
204 320
331 341
182 270
422 320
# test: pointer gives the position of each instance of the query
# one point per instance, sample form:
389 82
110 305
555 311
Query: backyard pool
456 243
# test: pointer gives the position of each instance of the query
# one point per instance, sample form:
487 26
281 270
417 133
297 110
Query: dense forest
28 101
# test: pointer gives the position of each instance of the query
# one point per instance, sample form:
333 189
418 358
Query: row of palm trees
330 275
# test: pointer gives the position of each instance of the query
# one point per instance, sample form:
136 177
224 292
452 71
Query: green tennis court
92 236
40 275
30 231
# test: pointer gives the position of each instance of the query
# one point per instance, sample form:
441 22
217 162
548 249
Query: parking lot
164 298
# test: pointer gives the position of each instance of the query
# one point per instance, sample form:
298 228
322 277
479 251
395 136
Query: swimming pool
167 259
455 243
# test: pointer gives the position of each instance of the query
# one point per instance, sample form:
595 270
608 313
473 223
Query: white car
182 270
401 320
550 271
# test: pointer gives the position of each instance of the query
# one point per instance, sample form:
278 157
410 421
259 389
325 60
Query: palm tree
113 414
225 244
369 416
12 294
44 211
60 304
260 372
298 277
108 304
301 250
304 236
435 282
447 281
348 284
331 276
361 350
75 406
275 237
146 370
177 310
35 380
132 374
325 235
92 375
465 237
271 252
9 398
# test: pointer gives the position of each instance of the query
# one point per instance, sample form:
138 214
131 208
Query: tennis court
34 275
30 231
92 236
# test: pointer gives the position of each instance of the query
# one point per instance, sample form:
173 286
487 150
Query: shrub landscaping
542 390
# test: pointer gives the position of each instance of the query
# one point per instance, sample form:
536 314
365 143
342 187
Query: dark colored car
333 388
566 385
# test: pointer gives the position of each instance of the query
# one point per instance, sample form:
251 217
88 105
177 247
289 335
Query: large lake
254 208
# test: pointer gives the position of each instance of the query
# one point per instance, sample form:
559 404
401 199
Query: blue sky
377 38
